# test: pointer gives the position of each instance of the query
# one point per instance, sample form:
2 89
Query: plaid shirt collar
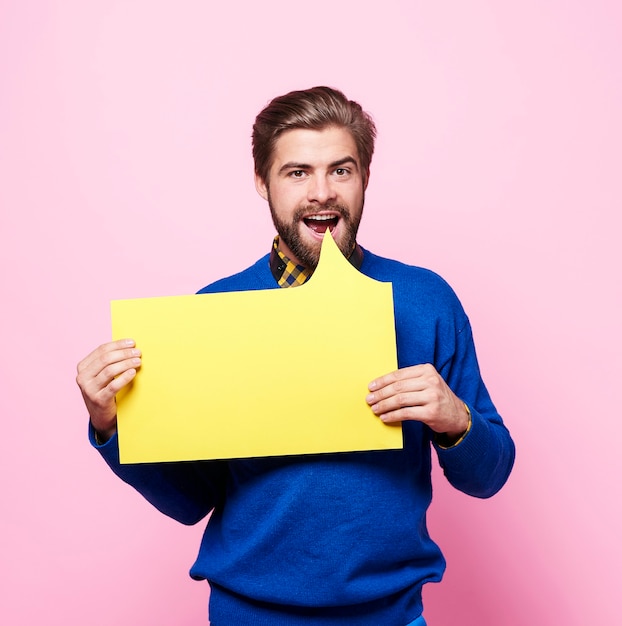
289 274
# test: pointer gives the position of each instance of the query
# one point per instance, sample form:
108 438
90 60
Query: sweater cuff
472 445
95 442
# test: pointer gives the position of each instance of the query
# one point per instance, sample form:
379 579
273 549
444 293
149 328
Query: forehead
314 147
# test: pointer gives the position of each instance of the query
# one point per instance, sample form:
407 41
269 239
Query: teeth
321 218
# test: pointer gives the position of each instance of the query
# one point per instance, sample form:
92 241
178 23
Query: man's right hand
101 375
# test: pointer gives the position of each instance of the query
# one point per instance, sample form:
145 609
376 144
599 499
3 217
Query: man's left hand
419 393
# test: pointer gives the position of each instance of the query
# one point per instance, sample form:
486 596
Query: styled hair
315 109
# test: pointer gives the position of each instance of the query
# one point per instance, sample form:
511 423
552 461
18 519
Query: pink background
125 171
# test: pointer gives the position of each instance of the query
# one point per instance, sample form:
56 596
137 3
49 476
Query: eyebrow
292 165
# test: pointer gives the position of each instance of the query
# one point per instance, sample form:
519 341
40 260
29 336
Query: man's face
315 183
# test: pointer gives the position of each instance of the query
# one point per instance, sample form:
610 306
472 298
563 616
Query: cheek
355 199
287 201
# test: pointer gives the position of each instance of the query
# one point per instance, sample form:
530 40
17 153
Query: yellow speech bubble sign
259 373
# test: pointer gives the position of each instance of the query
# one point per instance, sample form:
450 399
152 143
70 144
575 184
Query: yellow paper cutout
259 373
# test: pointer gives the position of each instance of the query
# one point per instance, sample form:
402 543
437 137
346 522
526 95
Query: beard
309 254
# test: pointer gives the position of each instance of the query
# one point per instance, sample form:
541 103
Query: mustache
303 211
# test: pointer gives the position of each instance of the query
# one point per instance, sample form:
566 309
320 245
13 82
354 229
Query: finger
381 382
402 414
115 370
120 381
107 353
398 393
106 364
98 376
414 371
100 400
397 402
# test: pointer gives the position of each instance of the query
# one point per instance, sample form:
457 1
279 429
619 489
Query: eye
297 173
342 171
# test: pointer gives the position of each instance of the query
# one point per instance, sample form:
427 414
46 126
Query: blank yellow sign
259 373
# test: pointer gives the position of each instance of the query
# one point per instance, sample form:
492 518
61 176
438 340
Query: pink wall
125 171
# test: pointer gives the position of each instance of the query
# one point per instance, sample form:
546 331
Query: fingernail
372 385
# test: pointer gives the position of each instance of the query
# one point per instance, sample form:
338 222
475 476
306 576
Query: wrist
451 439
103 436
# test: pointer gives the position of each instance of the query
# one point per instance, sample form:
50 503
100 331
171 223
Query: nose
321 189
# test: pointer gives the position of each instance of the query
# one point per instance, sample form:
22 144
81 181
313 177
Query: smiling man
314 182
327 539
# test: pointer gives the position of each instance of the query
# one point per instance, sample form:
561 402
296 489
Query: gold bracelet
464 434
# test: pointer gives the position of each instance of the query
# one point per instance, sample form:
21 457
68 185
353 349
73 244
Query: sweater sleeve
481 463
186 491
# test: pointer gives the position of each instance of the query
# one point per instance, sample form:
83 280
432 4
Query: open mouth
320 223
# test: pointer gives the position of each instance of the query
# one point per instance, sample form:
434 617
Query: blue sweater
336 539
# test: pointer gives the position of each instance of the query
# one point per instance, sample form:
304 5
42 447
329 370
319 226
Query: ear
262 188
366 180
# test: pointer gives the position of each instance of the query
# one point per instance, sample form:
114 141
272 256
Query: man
326 539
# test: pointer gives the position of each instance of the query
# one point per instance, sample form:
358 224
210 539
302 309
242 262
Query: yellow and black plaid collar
289 274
